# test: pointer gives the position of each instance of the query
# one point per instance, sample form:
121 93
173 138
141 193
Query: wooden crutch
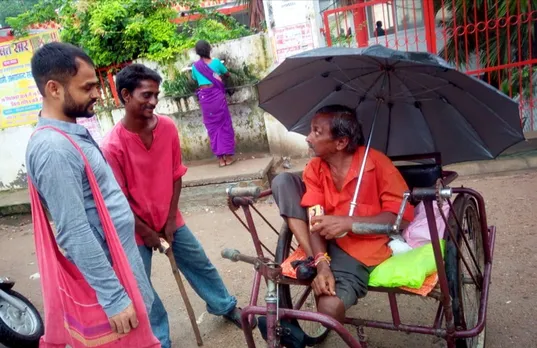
165 249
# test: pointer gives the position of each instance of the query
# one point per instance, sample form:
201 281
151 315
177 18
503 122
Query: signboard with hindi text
20 100
292 31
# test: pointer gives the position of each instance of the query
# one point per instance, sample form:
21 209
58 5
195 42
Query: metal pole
380 100
360 176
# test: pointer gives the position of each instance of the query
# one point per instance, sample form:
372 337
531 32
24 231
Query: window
396 15
409 14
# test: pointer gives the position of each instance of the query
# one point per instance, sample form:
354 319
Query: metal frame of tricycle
272 273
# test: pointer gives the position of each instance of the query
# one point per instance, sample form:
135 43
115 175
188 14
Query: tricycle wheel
465 294
289 295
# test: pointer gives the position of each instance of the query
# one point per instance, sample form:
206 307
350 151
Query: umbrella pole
366 152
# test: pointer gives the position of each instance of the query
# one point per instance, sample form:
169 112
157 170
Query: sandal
233 160
235 317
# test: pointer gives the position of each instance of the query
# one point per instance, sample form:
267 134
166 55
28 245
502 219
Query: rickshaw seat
418 174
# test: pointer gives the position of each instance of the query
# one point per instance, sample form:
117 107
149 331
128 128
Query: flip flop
230 163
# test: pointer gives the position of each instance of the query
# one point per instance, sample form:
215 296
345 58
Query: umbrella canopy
419 103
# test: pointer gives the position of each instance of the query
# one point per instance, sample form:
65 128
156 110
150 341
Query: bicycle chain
439 200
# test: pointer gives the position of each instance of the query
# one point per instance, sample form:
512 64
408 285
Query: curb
495 166
501 165
15 209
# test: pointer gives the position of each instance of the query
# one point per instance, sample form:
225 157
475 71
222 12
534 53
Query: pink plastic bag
73 315
417 233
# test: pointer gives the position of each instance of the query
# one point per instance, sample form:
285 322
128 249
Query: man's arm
151 238
390 186
332 226
58 175
179 169
170 226
324 283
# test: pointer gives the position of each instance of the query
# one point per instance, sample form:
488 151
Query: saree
215 111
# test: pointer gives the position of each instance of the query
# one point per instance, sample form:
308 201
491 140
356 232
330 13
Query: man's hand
169 230
324 283
151 240
125 321
330 226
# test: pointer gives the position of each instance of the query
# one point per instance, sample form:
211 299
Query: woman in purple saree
207 73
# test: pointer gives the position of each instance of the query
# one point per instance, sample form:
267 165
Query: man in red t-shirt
330 180
144 152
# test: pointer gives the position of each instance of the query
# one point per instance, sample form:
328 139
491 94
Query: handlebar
251 191
422 193
371 228
235 256
244 196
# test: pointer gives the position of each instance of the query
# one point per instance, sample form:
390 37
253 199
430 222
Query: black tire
315 332
13 339
464 313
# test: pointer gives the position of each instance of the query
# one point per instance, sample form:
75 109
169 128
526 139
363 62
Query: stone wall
248 123
248 120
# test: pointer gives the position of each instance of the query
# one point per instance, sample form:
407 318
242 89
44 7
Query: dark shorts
351 275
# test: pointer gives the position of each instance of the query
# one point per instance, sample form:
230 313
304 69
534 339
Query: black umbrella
410 102
417 103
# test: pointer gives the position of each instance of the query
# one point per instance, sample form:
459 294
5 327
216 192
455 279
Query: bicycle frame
273 277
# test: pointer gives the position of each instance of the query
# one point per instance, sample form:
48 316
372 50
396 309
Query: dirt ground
510 200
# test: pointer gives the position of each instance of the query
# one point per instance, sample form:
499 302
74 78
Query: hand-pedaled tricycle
463 272
417 109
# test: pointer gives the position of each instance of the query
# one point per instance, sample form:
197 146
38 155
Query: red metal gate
495 40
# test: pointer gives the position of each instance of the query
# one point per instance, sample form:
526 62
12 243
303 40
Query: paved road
510 202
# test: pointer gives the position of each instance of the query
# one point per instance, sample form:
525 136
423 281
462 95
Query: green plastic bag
409 269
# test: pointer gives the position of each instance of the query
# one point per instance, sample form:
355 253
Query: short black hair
379 24
132 75
203 49
56 61
344 123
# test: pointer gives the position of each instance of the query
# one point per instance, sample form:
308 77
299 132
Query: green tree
116 31
12 8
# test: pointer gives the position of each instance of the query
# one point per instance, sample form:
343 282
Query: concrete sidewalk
205 183
522 156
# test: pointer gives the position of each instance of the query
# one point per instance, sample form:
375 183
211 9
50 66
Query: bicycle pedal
362 337
282 331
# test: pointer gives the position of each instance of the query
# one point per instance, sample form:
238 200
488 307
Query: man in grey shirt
65 77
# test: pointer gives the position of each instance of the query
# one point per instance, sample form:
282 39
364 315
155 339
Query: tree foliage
12 8
115 31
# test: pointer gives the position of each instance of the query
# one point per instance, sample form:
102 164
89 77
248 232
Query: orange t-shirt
381 191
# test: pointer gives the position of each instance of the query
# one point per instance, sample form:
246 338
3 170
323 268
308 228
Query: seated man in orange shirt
330 180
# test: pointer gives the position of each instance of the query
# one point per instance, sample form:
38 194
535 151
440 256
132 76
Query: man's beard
72 110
